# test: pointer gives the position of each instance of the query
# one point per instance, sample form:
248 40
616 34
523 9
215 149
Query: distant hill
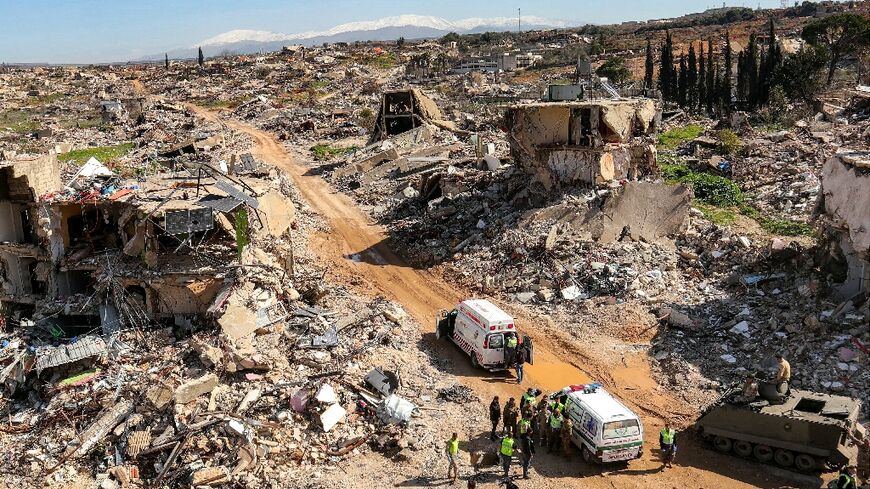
386 29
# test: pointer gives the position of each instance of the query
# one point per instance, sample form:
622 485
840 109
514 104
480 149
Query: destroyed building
584 142
105 252
23 262
846 194
402 111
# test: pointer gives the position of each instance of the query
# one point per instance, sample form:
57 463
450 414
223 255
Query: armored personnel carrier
803 430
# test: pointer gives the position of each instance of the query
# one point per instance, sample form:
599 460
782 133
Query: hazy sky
89 31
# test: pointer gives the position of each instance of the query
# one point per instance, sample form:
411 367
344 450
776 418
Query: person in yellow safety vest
524 426
510 349
668 444
528 399
452 451
555 429
556 405
847 478
506 453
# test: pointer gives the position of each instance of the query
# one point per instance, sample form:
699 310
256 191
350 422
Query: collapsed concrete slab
846 194
641 211
589 142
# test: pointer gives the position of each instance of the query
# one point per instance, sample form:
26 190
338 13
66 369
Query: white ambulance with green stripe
603 428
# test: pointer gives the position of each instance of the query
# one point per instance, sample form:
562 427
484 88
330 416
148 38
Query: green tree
839 35
614 69
166 61
400 42
800 75
702 78
711 77
750 66
692 79
200 58
682 83
667 83
649 66
727 74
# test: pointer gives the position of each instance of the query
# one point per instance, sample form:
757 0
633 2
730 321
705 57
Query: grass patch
383 61
324 152
102 153
223 104
673 138
319 84
49 98
786 227
717 215
19 121
709 189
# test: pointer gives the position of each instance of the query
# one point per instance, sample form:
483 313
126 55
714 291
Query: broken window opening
580 128
94 228
72 282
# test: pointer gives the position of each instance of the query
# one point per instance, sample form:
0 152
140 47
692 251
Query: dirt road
357 253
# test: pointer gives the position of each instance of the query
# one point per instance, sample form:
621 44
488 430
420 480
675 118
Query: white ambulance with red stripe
482 330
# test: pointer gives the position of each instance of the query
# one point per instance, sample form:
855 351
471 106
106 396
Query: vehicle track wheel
805 463
783 457
742 448
587 455
474 362
722 444
763 453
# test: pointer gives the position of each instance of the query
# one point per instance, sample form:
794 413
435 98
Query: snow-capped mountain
243 41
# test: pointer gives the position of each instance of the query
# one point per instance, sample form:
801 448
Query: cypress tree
751 62
711 76
692 79
666 78
727 75
166 61
200 58
741 77
716 96
682 80
763 78
650 67
702 78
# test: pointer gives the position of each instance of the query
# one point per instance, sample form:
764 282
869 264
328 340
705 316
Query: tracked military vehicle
801 430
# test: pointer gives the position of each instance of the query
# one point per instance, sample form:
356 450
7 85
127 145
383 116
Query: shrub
786 227
709 189
324 152
729 141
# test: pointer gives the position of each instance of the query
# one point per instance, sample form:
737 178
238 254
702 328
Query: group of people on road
534 422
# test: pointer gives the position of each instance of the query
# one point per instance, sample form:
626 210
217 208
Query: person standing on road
567 425
510 349
494 416
452 451
668 444
543 416
509 417
524 426
506 453
518 365
527 450
528 399
555 434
